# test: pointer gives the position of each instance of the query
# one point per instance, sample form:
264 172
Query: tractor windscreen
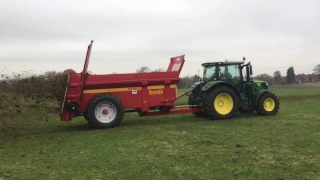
209 73
221 72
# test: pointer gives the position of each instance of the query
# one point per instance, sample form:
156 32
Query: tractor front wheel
221 103
104 111
268 104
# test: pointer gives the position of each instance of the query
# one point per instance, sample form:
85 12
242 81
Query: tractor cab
235 73
227 71
223 71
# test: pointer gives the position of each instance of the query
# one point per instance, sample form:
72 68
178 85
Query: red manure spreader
225 89
103 99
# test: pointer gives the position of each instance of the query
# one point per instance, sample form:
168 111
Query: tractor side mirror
250 70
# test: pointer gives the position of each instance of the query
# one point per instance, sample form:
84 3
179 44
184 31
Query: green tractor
227 88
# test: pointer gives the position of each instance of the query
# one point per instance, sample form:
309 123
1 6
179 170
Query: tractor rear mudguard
256 97
214 84
210 85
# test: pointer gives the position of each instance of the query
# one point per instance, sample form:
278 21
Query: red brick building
301 78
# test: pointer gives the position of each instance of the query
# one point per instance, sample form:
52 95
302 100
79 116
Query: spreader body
148 93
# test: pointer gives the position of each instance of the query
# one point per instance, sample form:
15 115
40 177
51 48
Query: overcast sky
53 35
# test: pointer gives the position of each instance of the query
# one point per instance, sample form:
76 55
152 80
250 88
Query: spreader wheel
221 103
268 104
104 111
85 115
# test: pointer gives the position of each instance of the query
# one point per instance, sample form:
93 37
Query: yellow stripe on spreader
124 89
161 86
111 90
156 87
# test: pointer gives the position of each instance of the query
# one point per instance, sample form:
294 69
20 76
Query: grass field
36 145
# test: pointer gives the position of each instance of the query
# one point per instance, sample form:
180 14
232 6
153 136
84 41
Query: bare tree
68 70
264 77
277 77
158 70
316 69
143 69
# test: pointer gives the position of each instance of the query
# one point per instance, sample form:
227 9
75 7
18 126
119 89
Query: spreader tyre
104 111
85 115
268 104
220 103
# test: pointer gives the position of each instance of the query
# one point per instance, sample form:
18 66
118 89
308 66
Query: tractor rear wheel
200 114
104 111
268 104
196 92
220 103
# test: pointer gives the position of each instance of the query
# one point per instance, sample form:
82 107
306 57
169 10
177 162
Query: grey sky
272 34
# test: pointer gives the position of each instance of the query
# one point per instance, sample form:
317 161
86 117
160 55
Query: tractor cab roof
222 63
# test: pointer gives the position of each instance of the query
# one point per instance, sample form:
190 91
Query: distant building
310 77
302 78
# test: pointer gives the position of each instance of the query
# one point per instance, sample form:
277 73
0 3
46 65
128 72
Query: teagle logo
155 92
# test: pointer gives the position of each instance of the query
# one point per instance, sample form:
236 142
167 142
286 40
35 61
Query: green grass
285 146
297 91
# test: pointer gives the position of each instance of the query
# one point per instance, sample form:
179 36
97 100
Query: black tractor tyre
268 104
200 114
110 114
209 100
196 92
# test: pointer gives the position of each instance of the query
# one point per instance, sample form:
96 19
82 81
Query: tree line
55 77
279 79
276 79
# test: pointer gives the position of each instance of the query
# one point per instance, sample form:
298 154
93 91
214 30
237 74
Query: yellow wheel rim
269 104
223 103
